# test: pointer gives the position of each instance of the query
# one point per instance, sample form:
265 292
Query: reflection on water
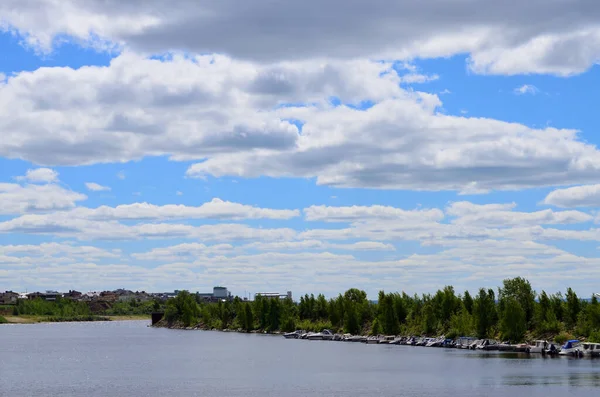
572 379
131 359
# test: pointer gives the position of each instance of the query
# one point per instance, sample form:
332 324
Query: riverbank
31 319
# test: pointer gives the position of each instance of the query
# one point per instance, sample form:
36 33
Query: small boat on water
386 340
552 350
539 346
464 342
506 346
591 349
323 335
436 342
487 345
571 348
355 338
522 348
372 340
294 335
475 343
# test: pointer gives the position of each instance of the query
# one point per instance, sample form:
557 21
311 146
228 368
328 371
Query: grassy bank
32 319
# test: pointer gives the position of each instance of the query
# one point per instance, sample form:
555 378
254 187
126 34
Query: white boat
293 335
464 341
571 348
323 335
388 339
591 349
372 340
487 344
539 346
475 343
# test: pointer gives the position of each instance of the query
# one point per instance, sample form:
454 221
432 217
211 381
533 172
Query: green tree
468 302
520 290
183 308
351 323
484 309
513 321
573 307
248 318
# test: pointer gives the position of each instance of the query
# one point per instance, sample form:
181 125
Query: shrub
563 337
3 320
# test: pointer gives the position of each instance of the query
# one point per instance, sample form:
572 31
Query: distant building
8 298
47 296
74 295
274 295
218 294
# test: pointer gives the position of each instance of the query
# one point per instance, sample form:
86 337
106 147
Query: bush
595 337
563 337
313 326
3 320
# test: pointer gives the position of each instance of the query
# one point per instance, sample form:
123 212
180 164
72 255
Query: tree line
64 309
514 312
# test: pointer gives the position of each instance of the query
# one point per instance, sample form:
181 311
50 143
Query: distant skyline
295 146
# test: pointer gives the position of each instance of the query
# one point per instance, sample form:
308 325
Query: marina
571 348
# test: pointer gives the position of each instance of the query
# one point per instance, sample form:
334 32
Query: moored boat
487 344
539 346
571 348
464 342
293 335
591 349
323 335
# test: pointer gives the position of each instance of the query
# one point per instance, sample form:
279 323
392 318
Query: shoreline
31 319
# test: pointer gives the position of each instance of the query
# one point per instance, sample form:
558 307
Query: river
129 358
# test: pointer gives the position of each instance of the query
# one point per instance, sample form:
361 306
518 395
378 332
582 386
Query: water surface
130 359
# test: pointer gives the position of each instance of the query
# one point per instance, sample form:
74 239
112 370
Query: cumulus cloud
477 238
94 187
576 196
214 209
61 250
561 37
17 199
244 119
374 212
86 229
44 175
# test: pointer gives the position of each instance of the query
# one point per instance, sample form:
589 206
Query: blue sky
136 153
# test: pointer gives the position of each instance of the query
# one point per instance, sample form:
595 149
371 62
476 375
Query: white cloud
416 78
302 245
61 250
140 107
121 175
179 193
17 199
576 196
44 175
526 89
86 229
374 212
214 209
502 38
501 215
94 187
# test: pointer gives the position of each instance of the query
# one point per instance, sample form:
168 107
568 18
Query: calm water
130 359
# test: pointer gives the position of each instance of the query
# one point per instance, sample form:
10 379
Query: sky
306 146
